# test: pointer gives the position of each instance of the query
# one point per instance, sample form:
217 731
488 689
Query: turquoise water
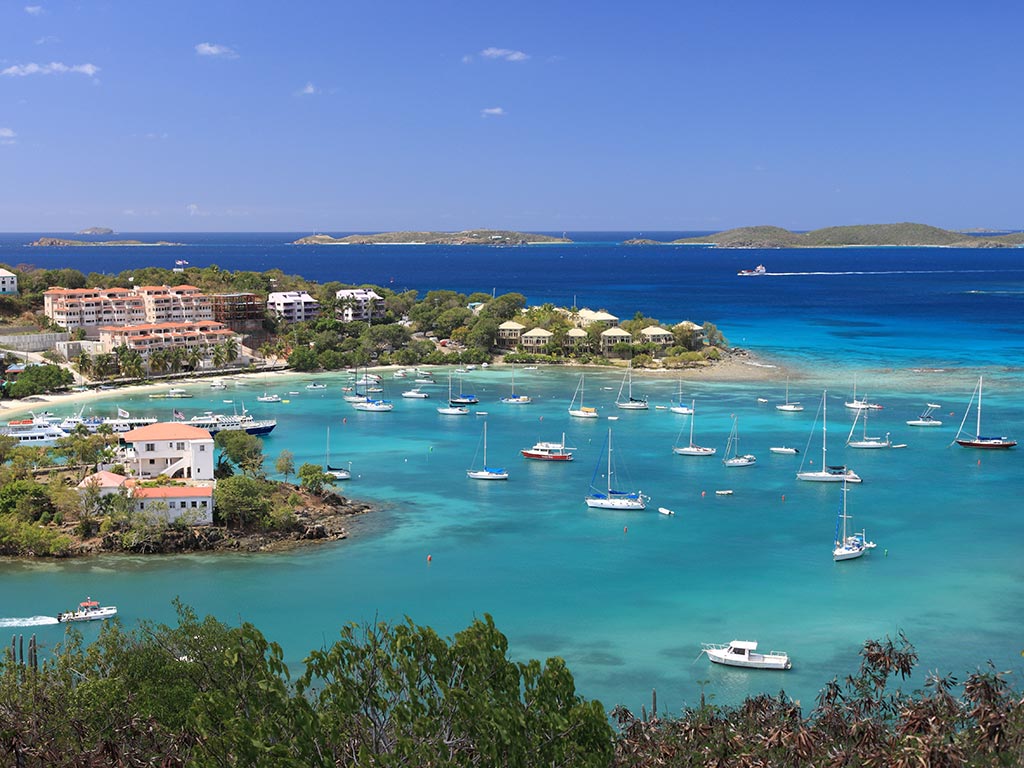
625 598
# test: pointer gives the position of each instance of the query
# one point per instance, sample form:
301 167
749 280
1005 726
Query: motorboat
265 398
743 653
234 422
783 449
926 419
757 271
370 404
416 393
174 393
88 610
548 451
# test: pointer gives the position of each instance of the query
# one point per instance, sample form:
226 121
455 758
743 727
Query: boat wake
30 621
883 272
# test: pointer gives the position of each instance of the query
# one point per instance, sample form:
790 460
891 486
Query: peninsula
904 234
59 242
468 237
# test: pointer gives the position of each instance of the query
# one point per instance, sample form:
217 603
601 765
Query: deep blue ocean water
628 598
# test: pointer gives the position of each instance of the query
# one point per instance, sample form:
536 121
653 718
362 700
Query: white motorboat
486 472
848 546
692 449
827 474
265 398
979 440
88 610
629 403
784 449
244 422
218 385
609 497
416 394
316 385
582 412
926 419
174 393
733 458
743 653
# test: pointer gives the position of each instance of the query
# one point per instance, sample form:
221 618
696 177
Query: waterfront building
8 282
535 340
359 304
293 306
150 337
169 448
89 308
654 334
587 317
612 336
168 502
180 304
239 311
509 334
576 338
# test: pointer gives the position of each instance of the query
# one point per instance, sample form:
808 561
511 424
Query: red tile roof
167 430
172 492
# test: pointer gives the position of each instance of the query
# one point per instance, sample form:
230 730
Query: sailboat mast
485 445
824 428
609 461
977 431
693 414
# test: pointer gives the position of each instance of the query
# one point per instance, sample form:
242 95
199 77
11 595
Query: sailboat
865 441
979 440
338 473
848 546
486 473
862 404
463 398
452 410
787 406
609 497
515 399
692 449
733 458
826 474
583 412
926 419
678 406
630 403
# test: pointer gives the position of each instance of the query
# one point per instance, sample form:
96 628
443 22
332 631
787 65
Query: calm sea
628 598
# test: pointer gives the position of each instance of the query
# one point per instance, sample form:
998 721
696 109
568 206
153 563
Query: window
202 449
150 447
194 505
179 446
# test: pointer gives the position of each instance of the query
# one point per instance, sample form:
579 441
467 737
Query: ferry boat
33 431
548 451
244 422
88 610
174 393
755 272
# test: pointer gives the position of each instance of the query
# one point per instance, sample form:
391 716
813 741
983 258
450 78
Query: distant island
59 242
905 234
96 231
468 237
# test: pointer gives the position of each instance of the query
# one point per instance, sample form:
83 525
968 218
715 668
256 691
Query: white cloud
47 39
492 112
467 59
34 10
154 136
506 54
7 136
53 68
216 49
309 90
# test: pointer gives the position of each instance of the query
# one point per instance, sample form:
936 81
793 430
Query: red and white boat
547 451
755 272
979 440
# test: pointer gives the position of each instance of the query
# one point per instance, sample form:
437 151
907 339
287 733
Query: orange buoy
703 493
783 497
430 558
625 529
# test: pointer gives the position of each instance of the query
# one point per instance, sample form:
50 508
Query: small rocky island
904 234
468 237
96 231
59 242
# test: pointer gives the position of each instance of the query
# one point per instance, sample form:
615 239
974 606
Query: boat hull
541 456
583 414
97 614
828 477
780 663
486 474
988 443
695 450
613 503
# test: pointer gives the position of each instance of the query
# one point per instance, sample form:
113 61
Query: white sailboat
926 419
486 472
979 440
692 449
826 474
338 473
788 407
609 497
865 440
452 410
583 412
630 403
733 457
515 399
863 403
678 406
848 546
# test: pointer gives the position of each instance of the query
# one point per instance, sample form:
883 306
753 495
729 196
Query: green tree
243 450
241 501
313 478
285 464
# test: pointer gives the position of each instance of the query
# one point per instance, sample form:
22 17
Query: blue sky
354 116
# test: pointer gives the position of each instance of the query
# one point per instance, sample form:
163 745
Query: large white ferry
34 431
218 422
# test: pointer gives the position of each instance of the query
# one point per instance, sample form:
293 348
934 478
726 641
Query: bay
628 598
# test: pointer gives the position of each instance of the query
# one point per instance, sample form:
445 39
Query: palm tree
131 364
102 364
84 363
219 356
158 361
231 349
194 357
176 358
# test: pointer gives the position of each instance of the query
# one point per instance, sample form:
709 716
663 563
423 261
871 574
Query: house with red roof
169 448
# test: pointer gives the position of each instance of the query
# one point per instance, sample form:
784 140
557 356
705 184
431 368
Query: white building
657 335
359 304
535 340
293 306
74 308
169 448
165 503
612 336
8 281
509 334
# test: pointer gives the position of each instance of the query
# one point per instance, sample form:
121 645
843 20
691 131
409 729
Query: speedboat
755 272
743 653
265 398
88 610
784 449
926 419
415 393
